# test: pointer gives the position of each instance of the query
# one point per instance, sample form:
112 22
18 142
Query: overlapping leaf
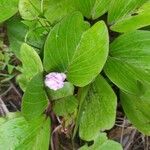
101 142
89 56
129 60
137 108
92 8
58 9
36 37
31 65
30 9
65 106
62 41
67 90
69 50
17 133
16 34
99 109
133 22
34 99
120 8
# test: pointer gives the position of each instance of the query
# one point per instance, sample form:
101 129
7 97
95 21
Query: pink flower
55 80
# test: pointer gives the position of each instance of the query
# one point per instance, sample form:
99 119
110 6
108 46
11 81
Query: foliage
72 37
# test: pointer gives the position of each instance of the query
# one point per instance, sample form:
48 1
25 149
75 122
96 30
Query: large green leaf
34 99
65 106
31 65
129 60
17 133
69 50
137 109
133 22
62 41
101 142
7 9
99 109
16 34
92 8
120 8
90 55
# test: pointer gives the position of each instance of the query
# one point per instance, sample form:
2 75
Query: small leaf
67 90
129 60
99 109
36 37
57 10
133 22
65 106
34 99
137 110
92 8
17 133
29 9
121 8
102 143
8 8
10 68
31 65
100 7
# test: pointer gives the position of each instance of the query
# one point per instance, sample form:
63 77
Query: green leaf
69 50
100 8
18 134
67 90
89 57
10 68
36 37
16 34
133 22
57 10
29 9
137 110
22 81
143 91
65 106
92 8
31 65
34 99
121 8
99 109
102 143
8 8
129 60
62 41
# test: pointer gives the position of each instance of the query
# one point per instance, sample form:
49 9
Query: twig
52 140
14 106
122 130
146 144
4 93
3 109
15 89
130 140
